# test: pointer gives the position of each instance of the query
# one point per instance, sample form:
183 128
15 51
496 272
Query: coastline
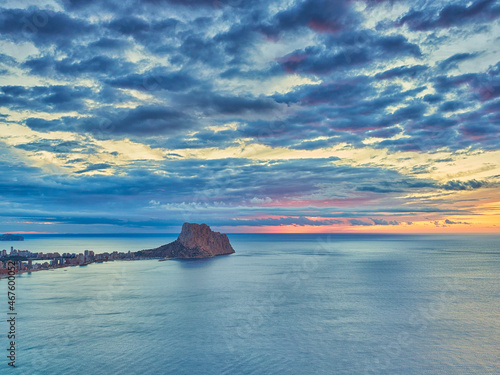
5 276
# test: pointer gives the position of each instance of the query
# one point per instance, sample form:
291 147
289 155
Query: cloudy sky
250 115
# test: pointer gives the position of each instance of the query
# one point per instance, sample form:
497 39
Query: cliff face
195 241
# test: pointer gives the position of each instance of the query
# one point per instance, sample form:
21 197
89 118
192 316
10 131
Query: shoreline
5 276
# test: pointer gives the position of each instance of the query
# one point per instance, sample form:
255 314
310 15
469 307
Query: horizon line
163 233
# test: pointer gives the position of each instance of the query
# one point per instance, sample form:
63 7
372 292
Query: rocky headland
195 241
11 237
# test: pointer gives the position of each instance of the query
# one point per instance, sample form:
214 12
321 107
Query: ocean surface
283 304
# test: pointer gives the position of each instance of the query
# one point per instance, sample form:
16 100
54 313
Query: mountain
195 241
11 237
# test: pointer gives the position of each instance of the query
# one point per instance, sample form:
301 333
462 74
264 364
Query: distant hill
11 237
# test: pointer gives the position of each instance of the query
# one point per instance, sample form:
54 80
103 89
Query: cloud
447 221
270 188
432 98
402 71
322 16
355 51
261 200
396 186
57 98
384 222
42 125
451 106
94 167
347 107
451 15
140 121
129 25
213 103
41 26
56 146
453 61
463 185
7 60
154 80
357 222
96 65
302 78
110 44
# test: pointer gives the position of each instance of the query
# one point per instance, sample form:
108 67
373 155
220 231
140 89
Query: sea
282 304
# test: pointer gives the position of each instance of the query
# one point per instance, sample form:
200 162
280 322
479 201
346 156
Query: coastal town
27 261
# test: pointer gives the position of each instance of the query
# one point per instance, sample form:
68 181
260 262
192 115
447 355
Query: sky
250 116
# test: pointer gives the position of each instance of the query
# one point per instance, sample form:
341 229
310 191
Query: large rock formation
195 241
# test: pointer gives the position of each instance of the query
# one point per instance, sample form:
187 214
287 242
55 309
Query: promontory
11 237
195 241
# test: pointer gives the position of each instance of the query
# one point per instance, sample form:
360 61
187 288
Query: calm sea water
283 304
